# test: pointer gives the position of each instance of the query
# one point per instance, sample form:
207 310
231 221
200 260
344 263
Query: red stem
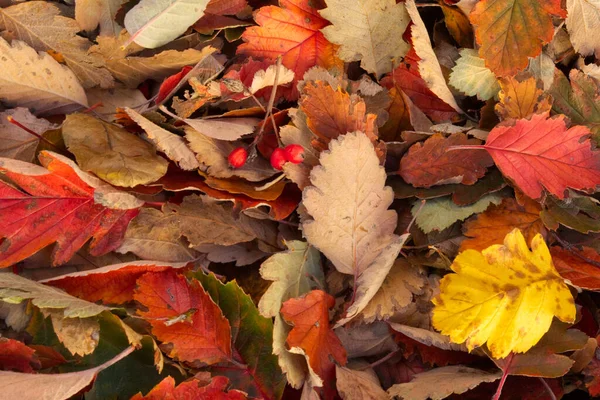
90 109
504 376
26 129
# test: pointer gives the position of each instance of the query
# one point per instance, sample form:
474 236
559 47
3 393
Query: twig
270 108
380 361
548 389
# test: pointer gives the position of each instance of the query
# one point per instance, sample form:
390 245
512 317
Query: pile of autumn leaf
234 199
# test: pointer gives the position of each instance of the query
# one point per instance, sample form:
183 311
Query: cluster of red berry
293 153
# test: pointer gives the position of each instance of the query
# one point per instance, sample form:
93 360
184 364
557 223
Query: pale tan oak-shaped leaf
15 142
37 82
439 383
583 22
17 385
132 70
367 30
91 13
40 25
265 78
212 155
79 335
349 220
153 23
358 384
152 235
294 273
174 146
472 77
112 153
429 66
396 292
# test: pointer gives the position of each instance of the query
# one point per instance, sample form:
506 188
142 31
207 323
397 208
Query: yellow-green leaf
505 295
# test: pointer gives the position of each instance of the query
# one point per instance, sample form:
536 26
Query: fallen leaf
472 77
40 25
311 334
440 213
91 13
194 388
16 356
115 98
294 273
580 267
582 21
52 386
112 284
458 24
496 222
153 23
112 153
23 85
355 384
204 335
542 153
242 253
291 31
521 97
366 340
511 31
382 21
174 146
79 335
15 142
429 66
432 163
440 383
51 194
479 303
265 78
229 129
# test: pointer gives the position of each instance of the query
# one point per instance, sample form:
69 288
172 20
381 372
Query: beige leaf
396 292
439 383
583 22
175 147
428 338
228 129
134 70
112 153
113 98
212 155
79 335
367 30
40 25
349 218
472 77
37 81
91 13
15 142
17 385
429 66
353 384
265 78
15 315
294 273
153 235
242 253
15 289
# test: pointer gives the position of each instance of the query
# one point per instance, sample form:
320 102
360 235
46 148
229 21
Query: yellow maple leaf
505 295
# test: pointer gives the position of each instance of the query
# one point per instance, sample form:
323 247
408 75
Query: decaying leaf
355 384
482 302
583 18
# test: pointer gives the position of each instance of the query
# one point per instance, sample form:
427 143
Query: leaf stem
26 129
504 376
548 389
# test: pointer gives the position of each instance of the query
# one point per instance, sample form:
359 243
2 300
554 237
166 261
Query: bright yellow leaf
505 295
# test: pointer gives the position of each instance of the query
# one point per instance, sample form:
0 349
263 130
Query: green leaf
251 334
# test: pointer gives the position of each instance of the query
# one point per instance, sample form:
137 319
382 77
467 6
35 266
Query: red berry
294 153
237 158
278 158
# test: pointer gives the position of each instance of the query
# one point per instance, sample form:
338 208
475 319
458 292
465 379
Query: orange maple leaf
191 389
292 31
310 317
203 334
582 268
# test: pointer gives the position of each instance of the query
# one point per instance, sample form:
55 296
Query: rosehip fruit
278 159
237 158
294 153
